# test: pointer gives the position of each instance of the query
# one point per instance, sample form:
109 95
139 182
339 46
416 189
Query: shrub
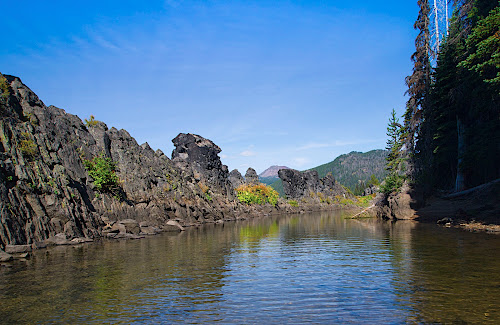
4 87
27 146
392 183
293 203
102 170
257 194
91 121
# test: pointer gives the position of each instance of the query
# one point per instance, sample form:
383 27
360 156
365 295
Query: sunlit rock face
251 177
201 156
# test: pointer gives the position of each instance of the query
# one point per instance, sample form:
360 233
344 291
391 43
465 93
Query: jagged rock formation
298 184
235 178
45 189
48 197
201 156
251 177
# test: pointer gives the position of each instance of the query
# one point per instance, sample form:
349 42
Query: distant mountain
351 169
270 175
272 171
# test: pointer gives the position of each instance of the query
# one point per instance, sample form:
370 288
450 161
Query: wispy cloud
336 143
300 161
248 153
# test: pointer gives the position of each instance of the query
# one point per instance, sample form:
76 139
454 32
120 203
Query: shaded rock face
201 156
251 177
235 178
298 184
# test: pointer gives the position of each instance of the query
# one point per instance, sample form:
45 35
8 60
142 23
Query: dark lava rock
251 177
201 156
298 184
235 178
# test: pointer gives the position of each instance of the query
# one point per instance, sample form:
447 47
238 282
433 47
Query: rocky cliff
50 192
46 192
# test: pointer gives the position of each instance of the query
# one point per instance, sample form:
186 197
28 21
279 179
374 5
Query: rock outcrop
298 184
251 177
47 194
397 206
235 178
200 156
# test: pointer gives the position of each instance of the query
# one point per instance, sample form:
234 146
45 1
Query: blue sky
293 83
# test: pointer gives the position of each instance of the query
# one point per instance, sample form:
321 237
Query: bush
4 87
27 146
293 203
91 121
257 194
102 170
392 183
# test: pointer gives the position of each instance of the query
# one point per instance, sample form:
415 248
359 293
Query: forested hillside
450 136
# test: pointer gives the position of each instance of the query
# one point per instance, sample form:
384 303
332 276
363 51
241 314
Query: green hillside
268 180
349 169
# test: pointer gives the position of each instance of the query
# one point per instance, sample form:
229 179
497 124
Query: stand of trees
450 138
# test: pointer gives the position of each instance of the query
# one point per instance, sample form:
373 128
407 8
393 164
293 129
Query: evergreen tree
394 143
419 82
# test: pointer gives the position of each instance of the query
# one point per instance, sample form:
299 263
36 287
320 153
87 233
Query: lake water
313 268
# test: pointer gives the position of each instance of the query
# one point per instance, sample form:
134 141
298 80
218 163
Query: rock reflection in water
318 268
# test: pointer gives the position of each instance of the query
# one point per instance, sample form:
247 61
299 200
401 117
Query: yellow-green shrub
257 194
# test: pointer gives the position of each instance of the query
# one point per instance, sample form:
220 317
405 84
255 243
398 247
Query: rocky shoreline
49 198
475 209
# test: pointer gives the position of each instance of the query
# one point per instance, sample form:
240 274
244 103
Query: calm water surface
317 268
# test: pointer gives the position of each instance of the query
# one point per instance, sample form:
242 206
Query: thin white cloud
336 143
223 156
248 153
300 161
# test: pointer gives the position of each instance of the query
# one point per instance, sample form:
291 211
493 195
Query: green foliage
392 183
257 194
4 87
458 132
268 180
102 170
27 146
278 187
361 186
484 48
293 203
91 122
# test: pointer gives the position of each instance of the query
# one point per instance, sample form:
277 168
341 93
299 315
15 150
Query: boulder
131 226
17 249
58 239
4 257
173 226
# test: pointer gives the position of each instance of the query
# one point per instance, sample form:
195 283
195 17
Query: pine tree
394 142
419 82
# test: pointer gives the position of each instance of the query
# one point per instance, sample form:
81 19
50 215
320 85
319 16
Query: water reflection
318 268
